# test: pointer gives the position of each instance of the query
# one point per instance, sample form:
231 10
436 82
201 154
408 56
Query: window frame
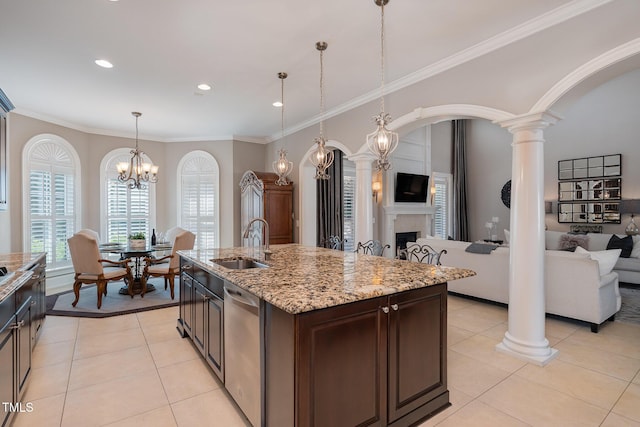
447 178
27 167
104 215
216 210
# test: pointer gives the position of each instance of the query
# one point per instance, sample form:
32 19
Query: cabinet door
186 303
417 349
214 347
7 362
278 206
341 365
24 333
200 307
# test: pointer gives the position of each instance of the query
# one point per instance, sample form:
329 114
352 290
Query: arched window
123 210
198 210
51 183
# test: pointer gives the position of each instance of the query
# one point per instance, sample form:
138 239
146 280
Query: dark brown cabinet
262 198
202 313
376 362
21 316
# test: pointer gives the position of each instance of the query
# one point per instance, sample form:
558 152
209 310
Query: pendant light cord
382 56
321 95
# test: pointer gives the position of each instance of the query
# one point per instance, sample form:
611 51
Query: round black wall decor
505 194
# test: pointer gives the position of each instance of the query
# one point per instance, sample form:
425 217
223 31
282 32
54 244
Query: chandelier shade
382 142
283 166
136 173
321 158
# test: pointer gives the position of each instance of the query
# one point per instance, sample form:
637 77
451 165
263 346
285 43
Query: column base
537 354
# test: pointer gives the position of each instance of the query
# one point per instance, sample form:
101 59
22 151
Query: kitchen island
344 339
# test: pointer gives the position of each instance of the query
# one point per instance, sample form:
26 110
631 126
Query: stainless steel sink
239 263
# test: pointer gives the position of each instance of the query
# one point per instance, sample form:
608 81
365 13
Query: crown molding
519 32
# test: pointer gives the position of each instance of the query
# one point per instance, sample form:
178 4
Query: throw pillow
606 259
625 244
569 241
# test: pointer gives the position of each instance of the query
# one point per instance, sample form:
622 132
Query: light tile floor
134 370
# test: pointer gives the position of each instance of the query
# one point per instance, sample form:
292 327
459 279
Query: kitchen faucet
267 252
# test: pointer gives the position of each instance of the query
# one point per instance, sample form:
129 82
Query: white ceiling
161 49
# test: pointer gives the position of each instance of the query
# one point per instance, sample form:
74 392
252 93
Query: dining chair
334 242
89 267
372 247
423 253
171 234
167 266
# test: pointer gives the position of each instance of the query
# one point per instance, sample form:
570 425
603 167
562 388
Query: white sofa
573 285
628 269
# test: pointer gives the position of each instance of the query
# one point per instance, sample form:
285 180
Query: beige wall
233 159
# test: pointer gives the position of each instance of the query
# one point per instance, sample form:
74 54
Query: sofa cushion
628 264
552 239
598 241
635 253
571 241
606 259
625 244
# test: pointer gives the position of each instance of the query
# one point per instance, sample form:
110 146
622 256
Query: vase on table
137 243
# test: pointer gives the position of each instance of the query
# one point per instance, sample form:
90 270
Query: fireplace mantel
409 209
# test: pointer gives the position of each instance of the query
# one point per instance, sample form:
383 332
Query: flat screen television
411 188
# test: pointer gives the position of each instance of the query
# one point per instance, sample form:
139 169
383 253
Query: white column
364 199
525 337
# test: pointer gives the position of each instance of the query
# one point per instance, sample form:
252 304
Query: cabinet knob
395 307
385 309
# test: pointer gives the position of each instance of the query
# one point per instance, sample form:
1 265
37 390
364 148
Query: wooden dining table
137 255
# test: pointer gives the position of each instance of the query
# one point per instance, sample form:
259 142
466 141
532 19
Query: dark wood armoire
262 198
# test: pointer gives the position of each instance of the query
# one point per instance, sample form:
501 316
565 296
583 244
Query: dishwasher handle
238 298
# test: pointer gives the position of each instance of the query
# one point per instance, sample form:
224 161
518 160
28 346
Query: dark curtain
329 202
460 222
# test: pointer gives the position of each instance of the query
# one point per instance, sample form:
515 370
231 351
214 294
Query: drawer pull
385 309
395 307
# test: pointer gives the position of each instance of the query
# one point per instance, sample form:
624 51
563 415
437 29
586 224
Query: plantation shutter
199 198
51 219
349 208
128 210
441 200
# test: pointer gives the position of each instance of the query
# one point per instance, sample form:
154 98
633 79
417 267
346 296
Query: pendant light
282 167
382 141
137 172
321 158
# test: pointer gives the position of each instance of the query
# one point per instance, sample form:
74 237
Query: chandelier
321 158
282 167
136 172
382 141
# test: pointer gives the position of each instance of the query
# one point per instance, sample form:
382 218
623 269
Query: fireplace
402 239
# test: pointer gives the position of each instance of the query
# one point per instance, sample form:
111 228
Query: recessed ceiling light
277 104
104 63
204 86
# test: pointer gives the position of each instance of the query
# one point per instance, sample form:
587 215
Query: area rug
630 310
113 304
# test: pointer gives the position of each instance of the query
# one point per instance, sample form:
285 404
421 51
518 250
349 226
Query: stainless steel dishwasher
242 349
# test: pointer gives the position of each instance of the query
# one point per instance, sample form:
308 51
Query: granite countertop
304 278
17 264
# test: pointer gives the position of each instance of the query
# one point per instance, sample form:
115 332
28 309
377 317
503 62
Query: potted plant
137 240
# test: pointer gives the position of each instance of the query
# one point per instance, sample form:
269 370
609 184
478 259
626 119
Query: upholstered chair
90 233
168 266
372 247
171 234
424 253
90 267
